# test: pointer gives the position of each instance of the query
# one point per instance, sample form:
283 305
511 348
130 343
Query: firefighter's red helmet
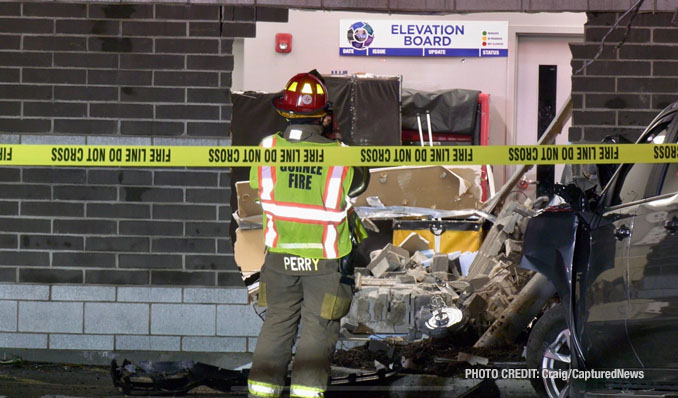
304 96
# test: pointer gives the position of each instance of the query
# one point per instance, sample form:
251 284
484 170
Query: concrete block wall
626 87
106 259
109 318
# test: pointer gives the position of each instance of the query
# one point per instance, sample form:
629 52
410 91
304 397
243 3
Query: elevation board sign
421 38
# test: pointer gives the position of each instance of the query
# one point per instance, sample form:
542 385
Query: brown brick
117 210
51 208
26 25
206 229
8 274
86 60
134 127
184 212
121 11
48 275
10 42
149 28
617 101
10 208
24 258
85 126
635 35
55 109
148 94
182 278
120 176
661 101
55 43
85 227
9 75
120 77
231 279
151 261
588 117
120 44
117 244
10 175
592 84
187 46
10 108
190 112
25 91
665 35
51 242
151 61
587 51
272 14
205 29
188 79
154 228
88 27
109 277
79 192
466 5
667 68
619 68
10 9
183 12
186 178
660 52
51 175
209 96
55 10
59 76
121 111
205 129
661 19
238 29
146 194
9 241
85 93
83 260
647 85
209 62
215 262
635 118
25 125
8 58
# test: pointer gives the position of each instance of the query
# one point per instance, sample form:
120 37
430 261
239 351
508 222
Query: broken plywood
434 187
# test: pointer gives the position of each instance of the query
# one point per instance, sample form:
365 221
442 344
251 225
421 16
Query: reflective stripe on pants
260 389
306 392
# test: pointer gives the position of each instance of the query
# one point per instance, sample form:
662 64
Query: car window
634 177
671 179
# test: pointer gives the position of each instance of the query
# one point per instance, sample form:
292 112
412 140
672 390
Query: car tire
550 334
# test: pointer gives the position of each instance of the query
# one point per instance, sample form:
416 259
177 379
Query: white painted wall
315 44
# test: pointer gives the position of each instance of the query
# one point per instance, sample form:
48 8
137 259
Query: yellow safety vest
305 208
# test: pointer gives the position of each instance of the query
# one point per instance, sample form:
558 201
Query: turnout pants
319 298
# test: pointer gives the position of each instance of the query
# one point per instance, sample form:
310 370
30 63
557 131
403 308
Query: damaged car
613 259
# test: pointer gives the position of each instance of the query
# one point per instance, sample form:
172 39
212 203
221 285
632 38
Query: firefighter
310 231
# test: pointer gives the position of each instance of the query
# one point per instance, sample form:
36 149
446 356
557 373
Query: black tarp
367 108
452 111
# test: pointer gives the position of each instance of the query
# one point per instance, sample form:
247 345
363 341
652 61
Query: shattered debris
405 286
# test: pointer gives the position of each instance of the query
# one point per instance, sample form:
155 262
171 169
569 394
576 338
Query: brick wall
119 259
620 93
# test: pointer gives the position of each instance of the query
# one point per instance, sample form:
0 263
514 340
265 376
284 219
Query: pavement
47 380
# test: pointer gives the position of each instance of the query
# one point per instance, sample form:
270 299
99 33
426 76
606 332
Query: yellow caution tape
231 156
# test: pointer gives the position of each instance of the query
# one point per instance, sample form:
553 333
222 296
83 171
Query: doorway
544 83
